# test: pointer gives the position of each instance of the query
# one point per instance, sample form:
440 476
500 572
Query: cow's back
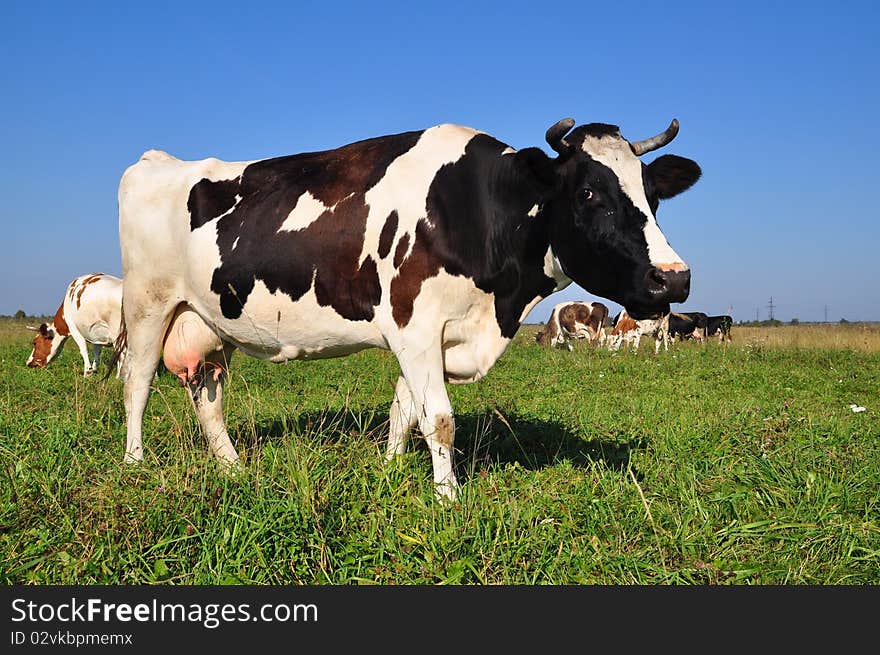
311 255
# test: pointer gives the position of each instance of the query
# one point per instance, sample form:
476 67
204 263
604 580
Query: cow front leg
423 370
403 418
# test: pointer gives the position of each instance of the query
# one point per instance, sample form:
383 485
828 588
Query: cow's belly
274 327
101 333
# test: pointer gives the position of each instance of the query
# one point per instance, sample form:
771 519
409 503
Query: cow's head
47 344
601 203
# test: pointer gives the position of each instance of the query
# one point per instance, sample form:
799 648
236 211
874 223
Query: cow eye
587 195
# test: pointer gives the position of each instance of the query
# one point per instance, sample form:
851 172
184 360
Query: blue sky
778 102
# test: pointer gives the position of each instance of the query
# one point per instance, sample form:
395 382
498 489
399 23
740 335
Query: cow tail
118 347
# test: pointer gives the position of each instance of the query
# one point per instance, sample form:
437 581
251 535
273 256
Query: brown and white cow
434 244
89 314
574 320
628 330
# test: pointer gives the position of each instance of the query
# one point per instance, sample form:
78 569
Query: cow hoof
231 468
446 493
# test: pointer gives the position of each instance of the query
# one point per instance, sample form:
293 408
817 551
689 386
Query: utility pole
826 313
756 315
770 307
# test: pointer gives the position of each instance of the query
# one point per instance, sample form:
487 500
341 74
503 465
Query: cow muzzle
667 286
659 287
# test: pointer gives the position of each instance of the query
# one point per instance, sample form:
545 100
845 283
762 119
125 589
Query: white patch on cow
533 211
235 243
472 339
615 153
508 151
306 330
307 210
529 307
405 185
553 269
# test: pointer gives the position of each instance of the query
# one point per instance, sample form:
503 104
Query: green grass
705 465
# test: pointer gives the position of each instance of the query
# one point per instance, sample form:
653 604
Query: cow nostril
656 280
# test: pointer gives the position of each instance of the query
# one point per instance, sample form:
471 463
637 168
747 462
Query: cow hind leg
403 418
96 356
423 370
80 342
206 394
144 331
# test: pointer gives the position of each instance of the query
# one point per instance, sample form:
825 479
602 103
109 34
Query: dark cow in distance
434 244
574 320
688 325
720 325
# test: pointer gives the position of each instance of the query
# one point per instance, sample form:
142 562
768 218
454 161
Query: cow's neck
529 272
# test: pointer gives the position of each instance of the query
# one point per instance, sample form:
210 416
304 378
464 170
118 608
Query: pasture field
730 465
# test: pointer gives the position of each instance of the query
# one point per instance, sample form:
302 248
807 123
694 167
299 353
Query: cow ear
672 174
44 330
539 168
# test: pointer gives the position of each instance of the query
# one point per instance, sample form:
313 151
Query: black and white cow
721 326
434 244
688 325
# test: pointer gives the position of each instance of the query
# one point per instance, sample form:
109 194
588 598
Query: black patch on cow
208 200
386 238
715 323
478 207
326 251
597 130
598 233
683 324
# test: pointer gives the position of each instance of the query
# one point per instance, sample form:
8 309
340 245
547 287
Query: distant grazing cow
721 326
89 314
688 325
628 330
433 244
574 320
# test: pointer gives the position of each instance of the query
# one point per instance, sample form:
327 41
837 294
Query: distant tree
843 320
20 314
795 321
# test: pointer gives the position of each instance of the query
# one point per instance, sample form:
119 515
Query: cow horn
641 147
31 327
556 133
